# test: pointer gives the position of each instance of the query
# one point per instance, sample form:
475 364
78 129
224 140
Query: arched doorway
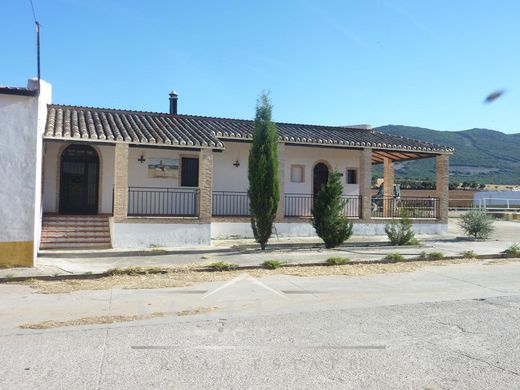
79 180
321 176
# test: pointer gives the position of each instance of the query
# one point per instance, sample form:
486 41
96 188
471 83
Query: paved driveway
452 326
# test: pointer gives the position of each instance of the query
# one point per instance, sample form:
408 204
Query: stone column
365 183
280 212
388 186
121 182
205 185
442 179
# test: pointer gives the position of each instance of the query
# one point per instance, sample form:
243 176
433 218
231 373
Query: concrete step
75 232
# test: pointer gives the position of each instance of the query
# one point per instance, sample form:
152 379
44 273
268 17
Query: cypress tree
327 213
264 188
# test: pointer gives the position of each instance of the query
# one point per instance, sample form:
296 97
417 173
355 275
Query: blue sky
424 63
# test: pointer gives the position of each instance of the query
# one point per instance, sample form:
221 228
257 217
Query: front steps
75 232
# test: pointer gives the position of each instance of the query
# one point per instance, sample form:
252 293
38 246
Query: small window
352 176
297 174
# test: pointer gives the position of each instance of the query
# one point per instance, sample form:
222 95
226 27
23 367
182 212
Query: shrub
435 256
513 251
401 233
131 271
468 255
337 260
272 264
221 266
264 187
395 257
476 224
423 256
327 213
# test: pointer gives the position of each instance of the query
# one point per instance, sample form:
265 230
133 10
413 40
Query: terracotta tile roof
87 123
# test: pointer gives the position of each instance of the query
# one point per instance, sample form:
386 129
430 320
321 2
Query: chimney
173 102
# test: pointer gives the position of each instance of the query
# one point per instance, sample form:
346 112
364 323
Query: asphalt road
451 327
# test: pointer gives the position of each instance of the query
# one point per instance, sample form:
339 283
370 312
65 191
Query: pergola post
206 185
388 186
365 183
442 180
121 182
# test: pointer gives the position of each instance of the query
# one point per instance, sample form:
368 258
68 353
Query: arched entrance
321 176
79 180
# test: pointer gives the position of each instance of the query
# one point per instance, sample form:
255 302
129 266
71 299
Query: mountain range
481 155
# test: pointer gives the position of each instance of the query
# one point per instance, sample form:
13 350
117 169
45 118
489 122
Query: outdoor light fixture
141 159
236 164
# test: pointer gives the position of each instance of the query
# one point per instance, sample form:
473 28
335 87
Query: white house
131 179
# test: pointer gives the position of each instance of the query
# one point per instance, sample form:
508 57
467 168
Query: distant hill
486 156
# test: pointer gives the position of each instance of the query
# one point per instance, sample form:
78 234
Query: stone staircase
75 232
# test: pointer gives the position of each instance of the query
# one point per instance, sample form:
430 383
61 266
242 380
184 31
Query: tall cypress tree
264 188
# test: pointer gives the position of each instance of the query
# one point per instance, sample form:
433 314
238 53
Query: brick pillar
280 212
121 182
388 186
442 179
205 185
365 183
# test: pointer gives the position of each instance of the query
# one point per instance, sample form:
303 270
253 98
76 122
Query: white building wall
21 123
51 170
230 230
227 177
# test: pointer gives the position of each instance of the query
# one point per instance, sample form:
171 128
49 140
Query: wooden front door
79 180
321 176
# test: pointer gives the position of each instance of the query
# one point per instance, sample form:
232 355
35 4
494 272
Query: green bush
435 256
468 255
423 256
337 260
401 233
513 251
395 257
327 213
271 264
221 266
476 224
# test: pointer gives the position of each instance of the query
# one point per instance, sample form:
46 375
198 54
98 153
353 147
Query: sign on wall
163 167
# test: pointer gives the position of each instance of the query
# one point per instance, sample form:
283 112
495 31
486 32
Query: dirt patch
91 321
198 310
185 276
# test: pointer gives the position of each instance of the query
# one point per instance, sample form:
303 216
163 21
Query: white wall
22 119
150 235
229 230
227 177
51 170
339 159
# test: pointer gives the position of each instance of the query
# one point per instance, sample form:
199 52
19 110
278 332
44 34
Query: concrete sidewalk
246 252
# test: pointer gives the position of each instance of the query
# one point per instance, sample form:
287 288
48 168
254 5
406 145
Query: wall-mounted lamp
141 159
236 164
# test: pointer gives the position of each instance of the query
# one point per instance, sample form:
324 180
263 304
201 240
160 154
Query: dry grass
91 321
185 276
198 310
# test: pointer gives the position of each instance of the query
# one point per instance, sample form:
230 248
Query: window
297 174
189 172
352 176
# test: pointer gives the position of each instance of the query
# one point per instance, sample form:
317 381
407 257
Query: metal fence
412 207
152 201
230 204
300 205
